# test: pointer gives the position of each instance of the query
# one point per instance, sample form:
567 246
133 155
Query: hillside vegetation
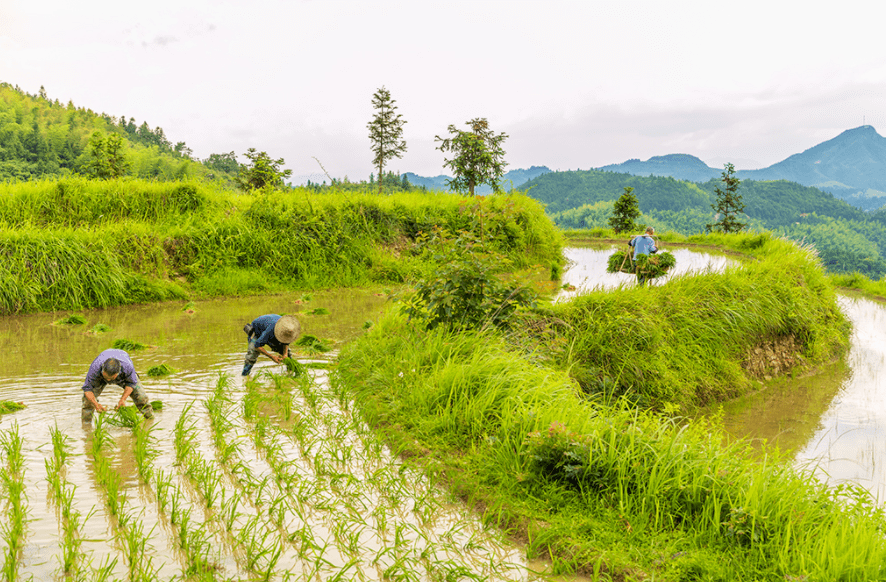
41 137
538 425
846 238
78 243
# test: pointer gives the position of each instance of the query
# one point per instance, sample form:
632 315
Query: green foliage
386 132
293 366
478 156
728 204
261 171
625 212
468 288
107 156
100 328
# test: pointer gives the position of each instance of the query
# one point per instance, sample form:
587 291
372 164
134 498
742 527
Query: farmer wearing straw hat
113 367
273 331
643 244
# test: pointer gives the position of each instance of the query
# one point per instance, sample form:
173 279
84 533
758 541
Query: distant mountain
851 166
513 178
679 166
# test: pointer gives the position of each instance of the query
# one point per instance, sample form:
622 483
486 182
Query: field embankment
78 243
613 490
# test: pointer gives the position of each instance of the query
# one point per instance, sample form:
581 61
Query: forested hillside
847 238
42 137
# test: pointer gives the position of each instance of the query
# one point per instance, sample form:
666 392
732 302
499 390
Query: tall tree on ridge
478 156
728 204
385 132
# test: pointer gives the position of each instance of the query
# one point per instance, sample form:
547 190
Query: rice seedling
160 371
13 484
73 319
128 345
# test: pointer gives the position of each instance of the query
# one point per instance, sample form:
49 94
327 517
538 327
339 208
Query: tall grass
613 490
684 343
76 243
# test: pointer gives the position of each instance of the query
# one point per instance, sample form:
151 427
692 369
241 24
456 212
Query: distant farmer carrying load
274 331
645 263
113 367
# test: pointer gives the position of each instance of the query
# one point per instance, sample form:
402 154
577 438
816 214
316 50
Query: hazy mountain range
851 166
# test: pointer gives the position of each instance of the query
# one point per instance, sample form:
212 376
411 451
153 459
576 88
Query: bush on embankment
620 493
79 243
686 342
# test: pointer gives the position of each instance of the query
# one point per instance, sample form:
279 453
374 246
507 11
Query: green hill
41 138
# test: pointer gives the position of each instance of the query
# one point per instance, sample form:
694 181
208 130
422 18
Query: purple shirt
126 377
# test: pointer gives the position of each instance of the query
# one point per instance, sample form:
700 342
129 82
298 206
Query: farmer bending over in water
643 245
274 331
113 367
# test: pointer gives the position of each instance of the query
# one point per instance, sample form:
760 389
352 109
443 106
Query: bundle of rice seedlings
312 344
7 406
650 266
621 262
294 367
319 311
125 417
127 345
161 370
73 319
100 328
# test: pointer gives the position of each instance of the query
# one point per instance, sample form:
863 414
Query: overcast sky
575 84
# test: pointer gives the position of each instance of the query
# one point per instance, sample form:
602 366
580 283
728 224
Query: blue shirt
263 333
643 245
126 377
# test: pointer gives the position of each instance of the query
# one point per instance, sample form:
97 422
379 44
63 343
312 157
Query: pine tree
625 212
728 204
385 132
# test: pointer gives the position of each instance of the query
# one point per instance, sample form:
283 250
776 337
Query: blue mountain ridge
851 166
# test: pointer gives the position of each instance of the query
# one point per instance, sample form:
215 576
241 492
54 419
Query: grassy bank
690 341
78 243
600 486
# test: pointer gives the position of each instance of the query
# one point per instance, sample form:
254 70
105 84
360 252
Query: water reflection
850 443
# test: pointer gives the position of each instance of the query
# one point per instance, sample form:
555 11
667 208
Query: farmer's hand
277 359
121 404
99 407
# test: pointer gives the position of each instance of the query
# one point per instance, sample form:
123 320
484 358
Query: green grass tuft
73 319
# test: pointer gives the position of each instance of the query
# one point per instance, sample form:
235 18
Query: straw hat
287 329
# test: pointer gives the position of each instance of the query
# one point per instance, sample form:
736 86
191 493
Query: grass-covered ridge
688 341
77 243
619 492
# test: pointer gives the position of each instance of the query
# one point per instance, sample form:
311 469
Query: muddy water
324 524
833 422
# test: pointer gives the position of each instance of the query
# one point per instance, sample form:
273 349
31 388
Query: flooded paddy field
272 478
